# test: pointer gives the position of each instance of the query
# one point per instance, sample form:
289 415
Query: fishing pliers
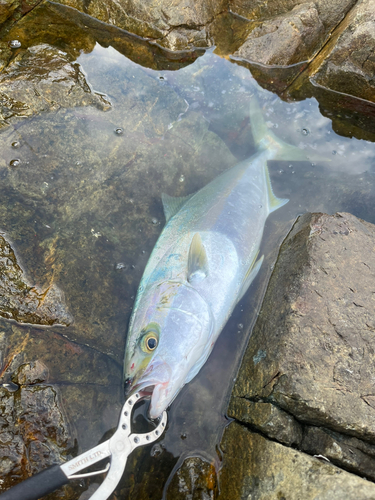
117 449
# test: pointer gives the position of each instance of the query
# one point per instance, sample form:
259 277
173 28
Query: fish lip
149 379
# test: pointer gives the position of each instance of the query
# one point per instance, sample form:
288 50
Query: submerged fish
203 263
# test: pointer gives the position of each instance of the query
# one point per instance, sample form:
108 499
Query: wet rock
26 91
254 467
23 302
315 327
287 39
30 373
348 64
7 7
34 432
346 452
268 419
194 480
306 377
174 25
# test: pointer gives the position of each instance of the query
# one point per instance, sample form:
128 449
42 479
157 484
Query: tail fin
266 139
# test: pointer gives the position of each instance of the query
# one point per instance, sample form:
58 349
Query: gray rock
315 329
286 39
346 452
256 468
268 419
348 63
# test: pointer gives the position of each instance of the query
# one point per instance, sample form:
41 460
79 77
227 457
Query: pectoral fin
172 205
197 260
250 275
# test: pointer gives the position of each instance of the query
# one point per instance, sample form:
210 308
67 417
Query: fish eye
151 343
150 338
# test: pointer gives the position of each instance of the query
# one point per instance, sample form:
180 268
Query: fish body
202 264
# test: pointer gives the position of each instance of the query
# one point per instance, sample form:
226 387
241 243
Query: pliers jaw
117 449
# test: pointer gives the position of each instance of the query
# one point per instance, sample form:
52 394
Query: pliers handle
117 449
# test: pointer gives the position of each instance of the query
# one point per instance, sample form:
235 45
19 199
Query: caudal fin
266 139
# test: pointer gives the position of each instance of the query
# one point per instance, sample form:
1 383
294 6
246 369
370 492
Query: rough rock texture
194 480
175 24
311 353
34 431
286 39
349 64
254 467
25 303
56 83
7 7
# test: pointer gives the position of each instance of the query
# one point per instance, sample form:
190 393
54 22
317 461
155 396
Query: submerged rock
309 362
194 480
25 303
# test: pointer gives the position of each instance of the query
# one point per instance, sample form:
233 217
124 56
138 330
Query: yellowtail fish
202 264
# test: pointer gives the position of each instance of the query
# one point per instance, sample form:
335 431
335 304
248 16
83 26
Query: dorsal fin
197 260
172 205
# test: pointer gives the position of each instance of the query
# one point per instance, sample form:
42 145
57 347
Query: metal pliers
117 449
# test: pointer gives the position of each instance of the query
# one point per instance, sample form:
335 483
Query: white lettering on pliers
93 457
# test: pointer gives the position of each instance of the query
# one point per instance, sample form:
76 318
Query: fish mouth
152 382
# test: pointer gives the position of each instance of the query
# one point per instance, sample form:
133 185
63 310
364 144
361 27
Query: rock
25 92
307 369
174 25
30 373
34 433
315 327
349 453
194 480
287 39
23 302
254 467
7 7
268 419
348 65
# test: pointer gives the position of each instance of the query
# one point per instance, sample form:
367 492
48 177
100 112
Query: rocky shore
302 409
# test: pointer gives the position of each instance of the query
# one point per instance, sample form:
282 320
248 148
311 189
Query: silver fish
201 266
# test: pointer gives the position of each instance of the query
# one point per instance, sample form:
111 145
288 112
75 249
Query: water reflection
82 204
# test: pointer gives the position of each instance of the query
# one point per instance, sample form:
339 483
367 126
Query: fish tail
266 139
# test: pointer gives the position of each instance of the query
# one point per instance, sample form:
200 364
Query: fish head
168 342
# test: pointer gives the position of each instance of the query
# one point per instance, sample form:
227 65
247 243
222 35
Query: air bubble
119 131
290 166
182 178
183 436
120 266
260 206
16 144
14 44
124 426
281 171
155 221
15 163
240 326
136 439
334 152
305 131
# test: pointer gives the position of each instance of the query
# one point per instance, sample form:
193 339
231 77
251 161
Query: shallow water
82 207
